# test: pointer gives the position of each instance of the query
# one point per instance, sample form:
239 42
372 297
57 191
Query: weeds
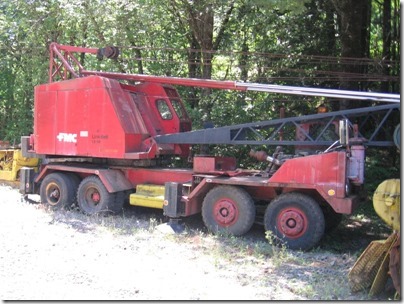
279 253
121 224
316 275
330 288
152 224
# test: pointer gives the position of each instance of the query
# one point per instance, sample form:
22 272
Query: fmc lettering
67 137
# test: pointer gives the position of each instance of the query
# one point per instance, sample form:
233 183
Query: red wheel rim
292 222
225 212
92 196
95 197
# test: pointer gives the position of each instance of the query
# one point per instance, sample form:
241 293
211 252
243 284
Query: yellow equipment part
368 265
381 258
383 272
395 265
386 202
11 161
151 196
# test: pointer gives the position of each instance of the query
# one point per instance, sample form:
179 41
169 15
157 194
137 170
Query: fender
114 180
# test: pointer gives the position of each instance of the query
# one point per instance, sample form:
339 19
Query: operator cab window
178 108
164 110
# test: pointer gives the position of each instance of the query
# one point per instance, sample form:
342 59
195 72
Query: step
151 196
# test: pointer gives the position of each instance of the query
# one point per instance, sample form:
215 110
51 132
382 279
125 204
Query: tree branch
222 28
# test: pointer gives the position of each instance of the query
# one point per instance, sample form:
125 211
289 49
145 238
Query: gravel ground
65 255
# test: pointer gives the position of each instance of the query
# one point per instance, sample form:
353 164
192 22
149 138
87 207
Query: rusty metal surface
114 180
366 268
214 164
395 264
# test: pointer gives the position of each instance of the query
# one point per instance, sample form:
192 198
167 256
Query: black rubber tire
57 191
93 197
119 201
397 136
75 181
332 219
228 210
296 220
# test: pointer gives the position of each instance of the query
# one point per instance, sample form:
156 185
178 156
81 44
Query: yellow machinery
11 161
381 258
148 196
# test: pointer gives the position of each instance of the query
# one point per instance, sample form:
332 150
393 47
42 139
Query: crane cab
100 117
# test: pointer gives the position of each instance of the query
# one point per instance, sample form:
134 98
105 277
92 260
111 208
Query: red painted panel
153 93
83 121
44 121
150 118
158 176
325 172
213 164
100 117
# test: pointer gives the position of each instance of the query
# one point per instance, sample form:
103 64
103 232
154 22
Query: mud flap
27 180
172 200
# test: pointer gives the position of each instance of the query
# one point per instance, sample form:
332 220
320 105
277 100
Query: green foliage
269 41
279 252
379 166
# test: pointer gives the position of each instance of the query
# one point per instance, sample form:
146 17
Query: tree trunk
396 44
329 23
194 71
200 14
200 19
353 25
386 41
367 17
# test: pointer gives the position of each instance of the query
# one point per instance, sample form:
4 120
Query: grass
328 287
117 224
304 274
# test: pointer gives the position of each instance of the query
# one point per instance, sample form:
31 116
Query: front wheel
228 209
295 219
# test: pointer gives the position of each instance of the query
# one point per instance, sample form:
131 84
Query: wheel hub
225 212
292 223
92 197
53 194
95 197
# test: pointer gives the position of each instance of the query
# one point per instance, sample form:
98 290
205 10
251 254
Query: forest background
347 44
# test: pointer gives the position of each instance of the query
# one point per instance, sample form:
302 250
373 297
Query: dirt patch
65 255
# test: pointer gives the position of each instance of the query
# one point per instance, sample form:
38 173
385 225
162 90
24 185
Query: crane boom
67 62
267 132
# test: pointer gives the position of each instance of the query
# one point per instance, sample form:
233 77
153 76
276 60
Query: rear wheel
228 209
295 219
93 197
75 181
120 198
57 191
